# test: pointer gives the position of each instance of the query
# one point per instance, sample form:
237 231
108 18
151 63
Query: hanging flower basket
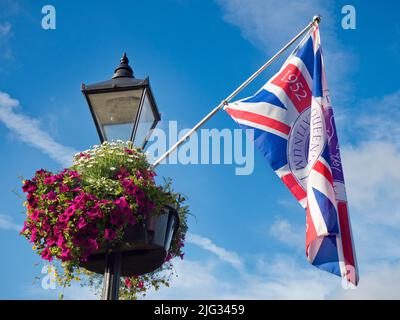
106 201
144 246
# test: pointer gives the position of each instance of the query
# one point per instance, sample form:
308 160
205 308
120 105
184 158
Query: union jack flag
294 128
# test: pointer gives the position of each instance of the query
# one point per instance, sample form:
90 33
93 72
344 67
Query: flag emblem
301 155
294 128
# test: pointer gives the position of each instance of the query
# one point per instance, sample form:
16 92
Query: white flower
113 168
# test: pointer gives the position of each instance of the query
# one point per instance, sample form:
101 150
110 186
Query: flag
294 128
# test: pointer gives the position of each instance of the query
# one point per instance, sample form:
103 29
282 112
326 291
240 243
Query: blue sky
247 240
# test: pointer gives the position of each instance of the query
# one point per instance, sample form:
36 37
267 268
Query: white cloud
230 257
372 178
285 232
77 292
269 24
194 280
28 130
5 29
6 223
74 292
277 277
380 281
370 166
5 36
281 278
379 117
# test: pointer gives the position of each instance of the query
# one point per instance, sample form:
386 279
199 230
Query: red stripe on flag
294 186
291 80
347 243
311 233
322 169
259 119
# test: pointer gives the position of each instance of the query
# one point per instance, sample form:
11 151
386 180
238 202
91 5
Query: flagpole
316 20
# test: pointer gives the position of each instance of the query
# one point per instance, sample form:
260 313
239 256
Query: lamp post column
112 274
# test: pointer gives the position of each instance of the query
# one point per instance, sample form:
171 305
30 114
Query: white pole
315 20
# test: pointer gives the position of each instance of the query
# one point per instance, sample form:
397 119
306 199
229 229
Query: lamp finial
123 70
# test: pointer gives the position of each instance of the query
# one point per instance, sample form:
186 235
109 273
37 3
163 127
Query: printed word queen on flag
295 130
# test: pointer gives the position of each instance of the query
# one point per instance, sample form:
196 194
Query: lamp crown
123 70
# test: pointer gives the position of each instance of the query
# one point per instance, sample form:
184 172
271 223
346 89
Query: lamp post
123 108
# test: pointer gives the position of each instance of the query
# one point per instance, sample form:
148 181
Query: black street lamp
123 107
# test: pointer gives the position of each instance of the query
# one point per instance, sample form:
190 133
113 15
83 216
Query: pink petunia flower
50 196
34 214
33 237
46 254
70 210
63 188
116 218
93 245
81 223
41 172
84 155
122 174
29 186
24 227
128 282
131 219
60 240
109 234
63 217
65 254
32 200
73 174
50 242
49 180
128 151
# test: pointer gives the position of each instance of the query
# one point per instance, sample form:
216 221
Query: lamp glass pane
116 112
146 120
